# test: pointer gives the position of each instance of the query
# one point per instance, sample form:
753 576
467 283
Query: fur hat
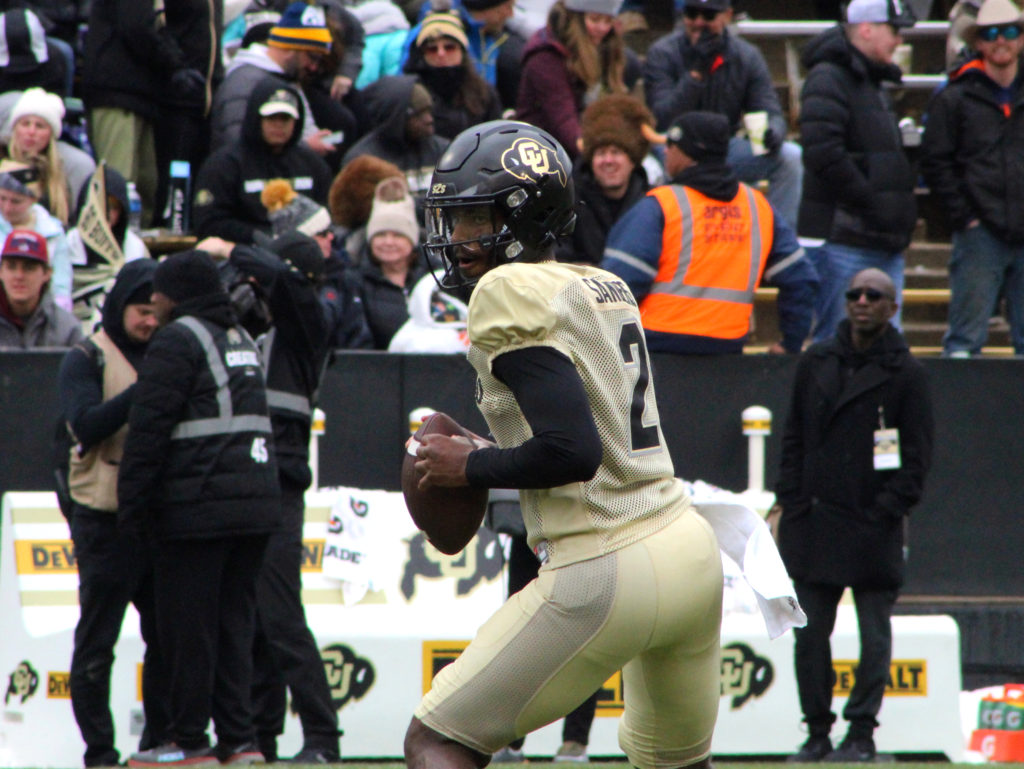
36 101
186 275
289 211
302 27
393 211
442 24
993 13
351 195
617 119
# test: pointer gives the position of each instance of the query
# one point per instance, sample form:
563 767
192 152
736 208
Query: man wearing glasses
703 67
855 452
858 208
973 156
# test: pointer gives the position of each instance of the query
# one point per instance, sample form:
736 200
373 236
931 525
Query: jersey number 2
634 355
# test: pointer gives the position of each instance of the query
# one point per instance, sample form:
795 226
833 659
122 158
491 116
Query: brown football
448 516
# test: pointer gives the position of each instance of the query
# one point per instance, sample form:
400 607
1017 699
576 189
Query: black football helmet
518 172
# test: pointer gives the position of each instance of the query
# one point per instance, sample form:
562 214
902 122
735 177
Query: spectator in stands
294 51
609 177
973 154
402 110
288 271
30 59
20 209
855 452
29 317
391 266
34 128
693 252
183 129
350 201
495 47
461 98
577 57
33 132
95 384
705 67
858 196
386 29
131 61
101 243
228 186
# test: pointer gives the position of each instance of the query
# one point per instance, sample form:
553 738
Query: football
448 516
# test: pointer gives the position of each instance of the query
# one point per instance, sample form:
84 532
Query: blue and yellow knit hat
302 27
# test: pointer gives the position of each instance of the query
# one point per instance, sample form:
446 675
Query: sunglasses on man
1006 31
442 47
708 14
872 295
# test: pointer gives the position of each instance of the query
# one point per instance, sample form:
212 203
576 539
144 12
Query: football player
631 576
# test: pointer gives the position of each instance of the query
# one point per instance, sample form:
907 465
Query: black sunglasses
708 14
991 34
872 294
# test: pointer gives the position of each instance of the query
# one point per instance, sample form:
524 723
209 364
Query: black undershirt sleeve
565 447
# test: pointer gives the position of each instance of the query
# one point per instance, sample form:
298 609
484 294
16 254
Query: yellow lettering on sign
438 654
907 678
312 555
46 556
58 686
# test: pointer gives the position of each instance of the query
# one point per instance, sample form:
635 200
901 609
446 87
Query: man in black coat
199 477
858 196
855 452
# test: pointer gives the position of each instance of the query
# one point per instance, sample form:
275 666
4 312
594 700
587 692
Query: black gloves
772 142
188 85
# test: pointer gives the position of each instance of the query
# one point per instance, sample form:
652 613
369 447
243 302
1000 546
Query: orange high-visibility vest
712 256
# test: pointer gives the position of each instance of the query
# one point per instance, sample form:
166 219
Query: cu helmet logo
527 159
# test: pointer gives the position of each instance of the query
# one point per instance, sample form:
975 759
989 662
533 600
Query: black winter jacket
974 152
294 356
739 83
128 60
388 103
385 304
222 482
858 186
595 214
228 186
842 520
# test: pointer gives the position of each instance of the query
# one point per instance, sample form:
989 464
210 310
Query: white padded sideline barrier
383 640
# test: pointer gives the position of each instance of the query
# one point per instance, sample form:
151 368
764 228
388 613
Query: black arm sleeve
565 447
80 384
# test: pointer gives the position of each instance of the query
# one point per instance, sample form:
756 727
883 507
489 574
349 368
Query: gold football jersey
590 316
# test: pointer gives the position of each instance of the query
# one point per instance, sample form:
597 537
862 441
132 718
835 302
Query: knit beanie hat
20 178
393 211
481 5
301 27
701 135
22 41
288 210
301 252
36 101
186 275
442 24
619 120
607 7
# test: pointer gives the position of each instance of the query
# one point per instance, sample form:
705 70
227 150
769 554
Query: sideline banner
401 615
